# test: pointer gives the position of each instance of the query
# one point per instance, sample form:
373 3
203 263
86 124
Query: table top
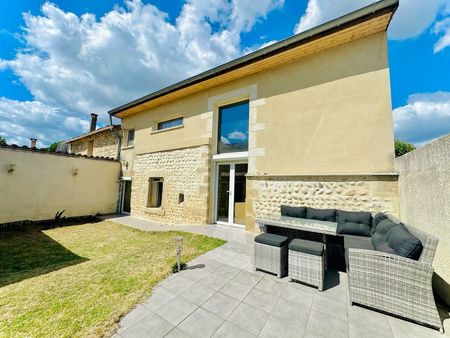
303 224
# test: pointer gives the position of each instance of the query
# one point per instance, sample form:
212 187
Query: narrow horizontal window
170 123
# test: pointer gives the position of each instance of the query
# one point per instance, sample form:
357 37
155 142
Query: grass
80 280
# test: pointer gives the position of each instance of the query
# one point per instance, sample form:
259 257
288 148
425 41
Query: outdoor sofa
389 263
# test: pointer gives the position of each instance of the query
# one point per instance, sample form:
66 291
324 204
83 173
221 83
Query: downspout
118 138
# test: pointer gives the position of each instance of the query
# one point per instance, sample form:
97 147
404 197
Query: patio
220 295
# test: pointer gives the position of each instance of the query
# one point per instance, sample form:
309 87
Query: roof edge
283 45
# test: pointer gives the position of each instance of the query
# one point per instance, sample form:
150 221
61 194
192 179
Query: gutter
118 137
314 33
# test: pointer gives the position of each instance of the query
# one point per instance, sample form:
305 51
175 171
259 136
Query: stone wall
184 171
367 193
105 144
424 187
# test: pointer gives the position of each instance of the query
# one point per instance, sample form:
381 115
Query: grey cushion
321 214
350 228
299 212
404 243
384 226
380 243
361 217
356 242
271 239
377 219
309 247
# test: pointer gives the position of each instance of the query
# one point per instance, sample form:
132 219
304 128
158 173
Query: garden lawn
80 280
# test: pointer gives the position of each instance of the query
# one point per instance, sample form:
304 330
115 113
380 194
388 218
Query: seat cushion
350 228
299 212
377 219
321 214
308 247
404 243
271 239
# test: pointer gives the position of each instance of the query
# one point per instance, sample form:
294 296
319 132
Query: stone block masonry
185 171
105 144
365 193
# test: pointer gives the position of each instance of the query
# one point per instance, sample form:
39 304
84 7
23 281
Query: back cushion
360 217
384 226
404 243
356 229
321 214
379 243
293 211
377 219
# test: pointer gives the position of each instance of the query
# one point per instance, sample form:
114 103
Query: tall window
155 192
130 137
170 123
233 128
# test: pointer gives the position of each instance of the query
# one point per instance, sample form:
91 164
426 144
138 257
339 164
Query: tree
53 146
2 141
402 147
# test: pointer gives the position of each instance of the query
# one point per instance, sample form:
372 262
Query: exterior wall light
12 168
75 172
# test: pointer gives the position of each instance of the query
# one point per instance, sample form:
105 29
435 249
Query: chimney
93 121
33 142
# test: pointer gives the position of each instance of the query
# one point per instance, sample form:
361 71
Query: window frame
219 124
130 132
158 204
158 124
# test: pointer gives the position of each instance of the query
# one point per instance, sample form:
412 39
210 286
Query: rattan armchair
396 284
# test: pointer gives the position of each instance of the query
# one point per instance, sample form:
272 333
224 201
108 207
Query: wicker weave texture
271 258
307 268
394 284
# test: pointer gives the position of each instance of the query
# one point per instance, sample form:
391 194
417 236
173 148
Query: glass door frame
232 165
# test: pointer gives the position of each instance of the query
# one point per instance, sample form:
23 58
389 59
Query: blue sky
58 63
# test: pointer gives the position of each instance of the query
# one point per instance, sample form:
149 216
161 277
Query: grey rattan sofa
395 284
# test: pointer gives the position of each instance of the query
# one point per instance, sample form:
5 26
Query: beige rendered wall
325 113
43 184
424 186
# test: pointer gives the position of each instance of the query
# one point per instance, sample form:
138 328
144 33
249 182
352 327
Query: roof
15 147
96 131
358 24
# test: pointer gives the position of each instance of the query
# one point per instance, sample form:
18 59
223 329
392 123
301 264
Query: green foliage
2 141
53 146
401 148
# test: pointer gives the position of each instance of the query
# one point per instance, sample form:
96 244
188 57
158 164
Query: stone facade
366 193
105 144
185 171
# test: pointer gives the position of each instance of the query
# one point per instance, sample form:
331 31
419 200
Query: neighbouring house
104 142
305 121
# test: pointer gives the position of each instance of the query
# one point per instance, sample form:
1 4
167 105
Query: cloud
442 26
237 135
410 20
24 119
84 64
224 140
424 118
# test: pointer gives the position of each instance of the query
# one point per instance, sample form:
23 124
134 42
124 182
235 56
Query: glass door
230 195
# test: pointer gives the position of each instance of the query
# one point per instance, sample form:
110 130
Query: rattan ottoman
271 253
307 262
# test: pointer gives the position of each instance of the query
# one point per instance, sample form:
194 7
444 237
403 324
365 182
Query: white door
230 194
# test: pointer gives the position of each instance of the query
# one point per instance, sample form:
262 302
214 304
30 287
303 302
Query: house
305 121
104 142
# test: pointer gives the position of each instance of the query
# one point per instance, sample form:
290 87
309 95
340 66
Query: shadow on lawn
29 253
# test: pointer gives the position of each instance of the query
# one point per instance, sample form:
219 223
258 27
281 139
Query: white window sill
231 156
128 147
166 129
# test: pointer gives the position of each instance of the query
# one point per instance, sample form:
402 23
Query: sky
61 61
